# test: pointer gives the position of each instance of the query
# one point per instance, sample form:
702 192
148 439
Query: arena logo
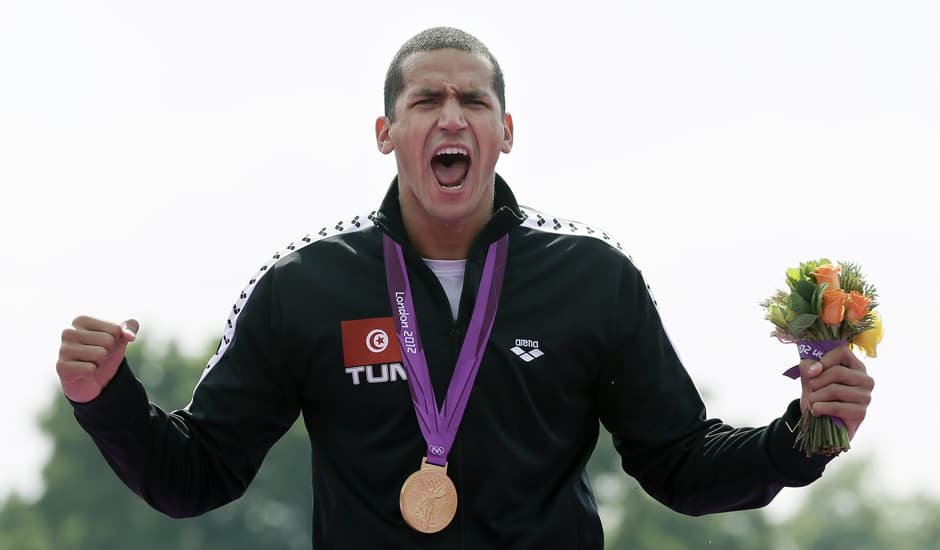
527 350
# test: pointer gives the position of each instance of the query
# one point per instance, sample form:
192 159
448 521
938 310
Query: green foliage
800 323
806 297
634 520
86 507
22 528
847 511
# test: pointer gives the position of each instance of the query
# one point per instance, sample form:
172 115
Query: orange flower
833 306
827 273
856 306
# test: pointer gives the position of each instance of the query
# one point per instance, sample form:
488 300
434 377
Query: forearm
719 468
157 455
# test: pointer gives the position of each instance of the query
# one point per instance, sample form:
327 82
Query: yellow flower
870 339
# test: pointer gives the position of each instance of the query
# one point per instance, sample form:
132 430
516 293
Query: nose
451 116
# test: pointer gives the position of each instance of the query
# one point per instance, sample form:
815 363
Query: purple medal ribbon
439 427
812 349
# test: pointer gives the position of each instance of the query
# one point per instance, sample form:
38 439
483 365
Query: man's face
447 136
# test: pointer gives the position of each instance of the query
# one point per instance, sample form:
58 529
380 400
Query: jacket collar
506 215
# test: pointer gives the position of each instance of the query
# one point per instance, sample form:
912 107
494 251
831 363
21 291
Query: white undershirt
450 274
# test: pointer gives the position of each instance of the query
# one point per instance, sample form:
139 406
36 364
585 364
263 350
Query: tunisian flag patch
370 342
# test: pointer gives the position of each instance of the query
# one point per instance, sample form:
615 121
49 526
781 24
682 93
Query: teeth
453 151
455 186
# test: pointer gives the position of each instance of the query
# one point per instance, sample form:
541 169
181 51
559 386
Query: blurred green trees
85 507
845 510
634 520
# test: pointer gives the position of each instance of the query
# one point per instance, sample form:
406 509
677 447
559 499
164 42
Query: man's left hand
837 385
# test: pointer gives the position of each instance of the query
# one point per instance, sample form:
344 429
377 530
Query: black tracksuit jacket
577 341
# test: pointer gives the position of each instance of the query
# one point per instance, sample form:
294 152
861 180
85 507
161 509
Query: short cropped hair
438 38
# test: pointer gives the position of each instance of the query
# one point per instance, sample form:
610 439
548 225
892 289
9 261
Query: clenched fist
90 354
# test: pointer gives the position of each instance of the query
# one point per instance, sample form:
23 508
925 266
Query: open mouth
450 166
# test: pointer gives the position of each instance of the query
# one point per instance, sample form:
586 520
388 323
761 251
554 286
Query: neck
439 230
436 240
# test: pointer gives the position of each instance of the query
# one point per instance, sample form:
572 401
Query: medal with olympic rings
428 499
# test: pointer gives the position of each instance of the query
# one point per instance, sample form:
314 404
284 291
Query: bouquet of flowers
826 305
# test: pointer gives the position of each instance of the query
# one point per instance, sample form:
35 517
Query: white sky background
152 157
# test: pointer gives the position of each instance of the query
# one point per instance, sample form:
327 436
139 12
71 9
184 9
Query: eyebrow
437 94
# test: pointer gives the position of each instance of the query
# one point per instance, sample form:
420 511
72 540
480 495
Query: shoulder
573 235
592 246
315 253
344 236
352 229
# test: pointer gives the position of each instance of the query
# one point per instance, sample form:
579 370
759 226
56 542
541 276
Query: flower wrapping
826 305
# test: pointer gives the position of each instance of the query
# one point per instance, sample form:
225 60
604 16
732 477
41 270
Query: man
452 354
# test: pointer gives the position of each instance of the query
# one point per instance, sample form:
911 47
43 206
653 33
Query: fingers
855 390
76 351
841 389
810 369
131 327
90 330
71 370
848 412
87 337
841 375
842 355
91 341
91 353
837 385
852 414
86 323
843 379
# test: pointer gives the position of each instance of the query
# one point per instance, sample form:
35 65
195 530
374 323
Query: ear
383 138
507 134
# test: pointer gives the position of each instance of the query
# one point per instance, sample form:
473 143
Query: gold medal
428 498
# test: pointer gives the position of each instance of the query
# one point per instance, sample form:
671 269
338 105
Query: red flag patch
370 342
